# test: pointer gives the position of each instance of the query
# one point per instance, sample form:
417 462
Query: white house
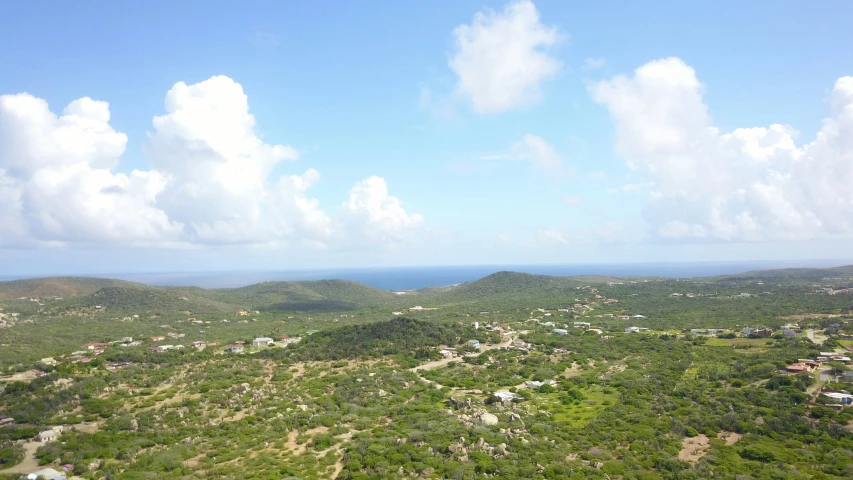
262 342
46 474
635 329
46 436
560 331
504 396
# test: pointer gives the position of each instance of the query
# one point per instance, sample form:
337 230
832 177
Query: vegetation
356 392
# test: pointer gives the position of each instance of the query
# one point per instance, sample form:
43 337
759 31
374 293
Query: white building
262 342
46 474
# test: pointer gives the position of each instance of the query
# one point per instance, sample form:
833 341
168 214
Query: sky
212 135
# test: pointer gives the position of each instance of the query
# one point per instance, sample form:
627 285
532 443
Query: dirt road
30 464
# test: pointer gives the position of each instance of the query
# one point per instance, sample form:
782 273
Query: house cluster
757 332
705 331
810 365
803 365
832 357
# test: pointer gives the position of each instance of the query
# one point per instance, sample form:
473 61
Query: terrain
511 376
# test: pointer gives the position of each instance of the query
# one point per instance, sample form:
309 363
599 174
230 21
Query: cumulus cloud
211 179
501 57
57 179
380 216
751 183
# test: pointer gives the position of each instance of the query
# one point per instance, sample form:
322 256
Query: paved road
818 340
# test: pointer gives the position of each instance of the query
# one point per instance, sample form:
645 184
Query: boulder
488 419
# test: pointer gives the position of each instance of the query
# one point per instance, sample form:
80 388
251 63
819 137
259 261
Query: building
535 384
46 436
560 331
838 396
262 342
46 474
474 343
799 368
580 324
5 420
504 396
636 329
234 348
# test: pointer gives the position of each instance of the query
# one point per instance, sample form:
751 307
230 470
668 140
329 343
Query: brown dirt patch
693 448
731 438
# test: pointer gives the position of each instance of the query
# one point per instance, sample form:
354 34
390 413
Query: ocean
411 278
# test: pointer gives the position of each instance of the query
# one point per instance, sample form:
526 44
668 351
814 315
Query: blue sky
417 133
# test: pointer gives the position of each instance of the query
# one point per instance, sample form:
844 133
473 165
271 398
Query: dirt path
30 464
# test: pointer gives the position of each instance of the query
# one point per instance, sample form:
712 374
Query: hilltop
305 296
58 286
813 274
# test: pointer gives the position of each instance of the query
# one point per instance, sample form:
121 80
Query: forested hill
57 286
811 274
320 295
506 288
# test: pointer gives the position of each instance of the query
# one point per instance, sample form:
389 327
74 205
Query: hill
57 286
307 296
811 274
144 298
504 289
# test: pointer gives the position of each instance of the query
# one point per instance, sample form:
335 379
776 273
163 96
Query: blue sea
411 278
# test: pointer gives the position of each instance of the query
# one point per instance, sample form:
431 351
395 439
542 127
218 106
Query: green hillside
506 289
143 298
309 296
57 286
810 274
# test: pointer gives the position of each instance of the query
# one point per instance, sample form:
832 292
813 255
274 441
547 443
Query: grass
579 414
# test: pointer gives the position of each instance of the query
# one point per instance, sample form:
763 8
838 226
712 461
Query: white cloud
538 151
591 64
748 184
380 216
550 236
262 37
211 179
572 199
500 59
504 238
56 175
632 187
